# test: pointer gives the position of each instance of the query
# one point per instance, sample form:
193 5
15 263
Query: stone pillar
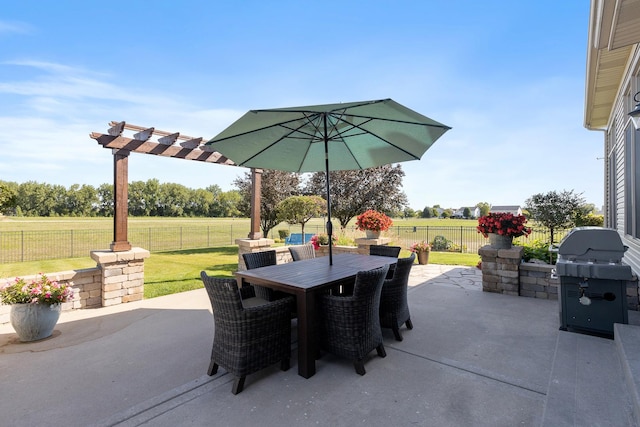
364 243
252 245
122 275
501 269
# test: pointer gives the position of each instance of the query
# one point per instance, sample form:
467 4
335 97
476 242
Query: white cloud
7 27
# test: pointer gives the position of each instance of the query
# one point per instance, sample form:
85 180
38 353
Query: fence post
71 243
22 245
461 240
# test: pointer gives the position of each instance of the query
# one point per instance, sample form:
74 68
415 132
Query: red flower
373 220
504 224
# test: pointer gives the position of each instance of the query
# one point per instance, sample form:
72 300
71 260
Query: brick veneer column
252 245
122 275
364 244
500 269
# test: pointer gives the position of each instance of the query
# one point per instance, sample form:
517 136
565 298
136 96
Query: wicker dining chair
246 339
302 252
394 309
350 325
385 250
262 259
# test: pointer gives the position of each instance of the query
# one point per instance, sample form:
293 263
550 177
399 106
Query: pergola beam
152 147
189 148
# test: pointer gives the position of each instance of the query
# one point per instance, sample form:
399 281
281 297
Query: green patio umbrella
331 137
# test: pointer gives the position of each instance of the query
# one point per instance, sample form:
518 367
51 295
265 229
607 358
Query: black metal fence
20 246
465 239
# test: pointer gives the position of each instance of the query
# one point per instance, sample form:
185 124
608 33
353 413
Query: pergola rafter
188 147
139 140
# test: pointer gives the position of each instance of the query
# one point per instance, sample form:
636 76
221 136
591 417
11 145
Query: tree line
150 198
352 193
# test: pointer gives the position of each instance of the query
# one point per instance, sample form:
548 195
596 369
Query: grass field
179 270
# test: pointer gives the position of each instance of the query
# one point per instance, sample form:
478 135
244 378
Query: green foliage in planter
538 249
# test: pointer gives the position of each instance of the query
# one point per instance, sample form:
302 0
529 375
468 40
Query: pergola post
120 200
256 184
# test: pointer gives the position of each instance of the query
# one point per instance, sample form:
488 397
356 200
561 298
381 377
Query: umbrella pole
326 163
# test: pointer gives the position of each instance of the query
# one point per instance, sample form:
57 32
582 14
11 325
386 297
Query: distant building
474 212
515 210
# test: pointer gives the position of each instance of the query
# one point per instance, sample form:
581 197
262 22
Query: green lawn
178 271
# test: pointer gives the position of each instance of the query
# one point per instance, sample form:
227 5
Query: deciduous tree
484 208
555 210
276 186
353 192
300 209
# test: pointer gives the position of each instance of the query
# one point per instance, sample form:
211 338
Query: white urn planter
34 322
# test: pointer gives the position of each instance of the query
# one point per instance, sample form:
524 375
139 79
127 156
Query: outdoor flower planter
371 234
423 258
422 251
498 241
502 227
372 223
35 305
34 322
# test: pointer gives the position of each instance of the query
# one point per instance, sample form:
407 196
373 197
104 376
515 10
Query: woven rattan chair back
302 252
261 259
350 325
394 308
385 250
246 340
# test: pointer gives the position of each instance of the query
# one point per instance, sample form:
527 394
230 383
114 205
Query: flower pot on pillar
371 234
499 241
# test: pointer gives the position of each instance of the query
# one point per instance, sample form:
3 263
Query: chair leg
285 364
359 365
238 385
381 351
409 324
397 334
213 368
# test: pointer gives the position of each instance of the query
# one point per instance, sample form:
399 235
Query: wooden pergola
160 143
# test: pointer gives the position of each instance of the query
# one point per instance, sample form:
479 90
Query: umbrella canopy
345 136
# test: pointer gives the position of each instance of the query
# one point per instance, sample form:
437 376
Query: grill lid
592 244
593 252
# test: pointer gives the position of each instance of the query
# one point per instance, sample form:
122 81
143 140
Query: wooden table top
313 273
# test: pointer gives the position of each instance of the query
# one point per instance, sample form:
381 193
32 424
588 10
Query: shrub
283 234
440 243
590 220
538 249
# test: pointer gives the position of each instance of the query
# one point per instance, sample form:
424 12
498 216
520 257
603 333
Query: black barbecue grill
593 280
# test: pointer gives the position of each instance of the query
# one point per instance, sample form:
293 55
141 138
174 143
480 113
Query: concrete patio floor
472 359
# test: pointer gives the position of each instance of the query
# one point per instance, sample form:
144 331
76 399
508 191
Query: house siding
621 144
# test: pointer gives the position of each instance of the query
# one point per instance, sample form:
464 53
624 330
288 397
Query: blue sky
508 77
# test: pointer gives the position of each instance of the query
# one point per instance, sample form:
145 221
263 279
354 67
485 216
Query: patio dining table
305 279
